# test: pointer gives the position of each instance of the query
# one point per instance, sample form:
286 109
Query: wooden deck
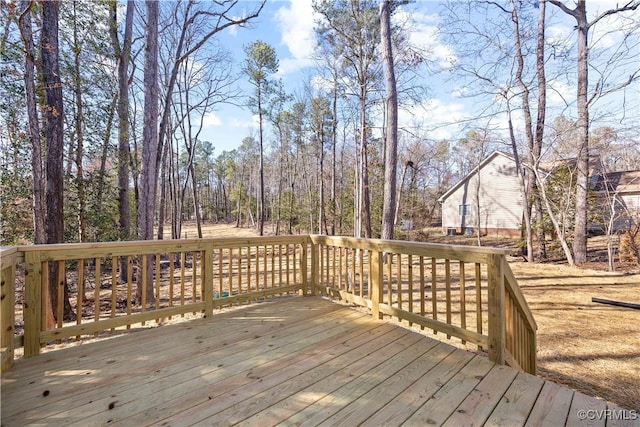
289 361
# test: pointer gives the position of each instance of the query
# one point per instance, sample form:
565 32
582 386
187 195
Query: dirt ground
590 347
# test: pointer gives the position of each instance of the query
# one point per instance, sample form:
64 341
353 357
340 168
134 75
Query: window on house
464 210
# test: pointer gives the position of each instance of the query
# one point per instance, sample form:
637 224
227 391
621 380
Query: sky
288 26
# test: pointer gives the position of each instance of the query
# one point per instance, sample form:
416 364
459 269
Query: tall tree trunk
364 167
123 55
391 129
582 181
106 142
162 203
79 128
54 122
39 202
407 165
196 200
524 90
334 142
536 151
321 216
261 210
148 174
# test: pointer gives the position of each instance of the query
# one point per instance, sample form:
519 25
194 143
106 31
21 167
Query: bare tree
54 124
579 13
148 173
123 57
391 128
39 203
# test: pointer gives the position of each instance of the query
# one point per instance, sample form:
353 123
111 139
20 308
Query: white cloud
251 123
441 120
211 120
296 22
425 36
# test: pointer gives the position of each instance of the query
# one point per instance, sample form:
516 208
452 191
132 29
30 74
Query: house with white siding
620 190
490 194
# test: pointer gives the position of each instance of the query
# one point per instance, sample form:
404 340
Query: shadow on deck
289 361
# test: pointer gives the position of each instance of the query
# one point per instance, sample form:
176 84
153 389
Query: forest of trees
103 107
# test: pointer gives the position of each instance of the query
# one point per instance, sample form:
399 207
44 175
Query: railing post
7 311
207 280
32 303
375 281
496 308
314 267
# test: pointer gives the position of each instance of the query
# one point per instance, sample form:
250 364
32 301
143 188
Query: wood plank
444 402
107 366
517 402
551 407
140 379
586 411
243 387
402 406
334 391
617 417
479 404
325 411
170 395
287 311
351 362
290 361
386 391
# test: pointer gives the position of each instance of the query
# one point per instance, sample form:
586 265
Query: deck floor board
288 361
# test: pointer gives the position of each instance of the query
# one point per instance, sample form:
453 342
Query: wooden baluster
447 279
434 292
422 290
399 279
410 284
463 300
389 257
35 299
157 285
183 263
479 301
80 294
375 283
96 291
171 273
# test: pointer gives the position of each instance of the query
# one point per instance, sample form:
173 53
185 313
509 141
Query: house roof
620 182
482 164
595 164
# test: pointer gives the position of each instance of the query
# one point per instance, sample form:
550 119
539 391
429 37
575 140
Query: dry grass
591 347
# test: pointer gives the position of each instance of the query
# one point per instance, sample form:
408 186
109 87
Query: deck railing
459 291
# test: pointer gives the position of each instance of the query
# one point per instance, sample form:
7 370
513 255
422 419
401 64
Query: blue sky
288 27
